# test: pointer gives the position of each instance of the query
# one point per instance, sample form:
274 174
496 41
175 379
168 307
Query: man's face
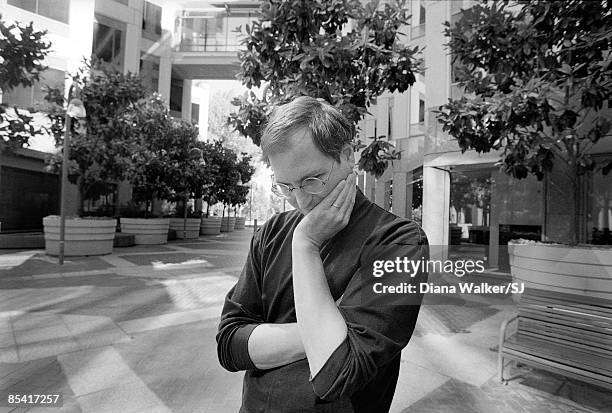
304 160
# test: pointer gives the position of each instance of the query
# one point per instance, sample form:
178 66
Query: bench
563 333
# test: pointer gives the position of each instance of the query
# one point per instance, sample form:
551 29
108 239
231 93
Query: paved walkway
135 332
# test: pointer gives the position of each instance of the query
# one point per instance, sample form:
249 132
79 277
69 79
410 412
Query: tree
153 160
540 78
22 50
101 152
339 50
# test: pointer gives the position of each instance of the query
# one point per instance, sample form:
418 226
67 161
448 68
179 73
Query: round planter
240 221
210 226
146 231
582 270
192 227
227 224
83 236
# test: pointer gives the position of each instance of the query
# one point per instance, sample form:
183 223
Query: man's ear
348 154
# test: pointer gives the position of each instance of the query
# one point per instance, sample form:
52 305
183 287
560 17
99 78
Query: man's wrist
305 244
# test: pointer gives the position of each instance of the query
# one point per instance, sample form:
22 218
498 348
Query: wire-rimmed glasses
310 185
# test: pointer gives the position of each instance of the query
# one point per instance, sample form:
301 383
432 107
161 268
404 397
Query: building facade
465 195
171 44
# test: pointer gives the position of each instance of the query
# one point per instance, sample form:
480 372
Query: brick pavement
134 331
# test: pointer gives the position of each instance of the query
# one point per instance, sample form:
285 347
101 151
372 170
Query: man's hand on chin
330 216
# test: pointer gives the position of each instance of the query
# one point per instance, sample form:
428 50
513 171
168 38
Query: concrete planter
228 224
146 231
583 270
240 221
83 236
193 227
210 226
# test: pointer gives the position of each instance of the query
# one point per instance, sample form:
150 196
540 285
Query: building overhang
199 65
468 158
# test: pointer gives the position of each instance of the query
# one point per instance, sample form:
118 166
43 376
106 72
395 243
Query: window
108 44
455 63
421 15
195 113
151 20
390 119
149 72
54 9
421 111
28 97
176 95
599 215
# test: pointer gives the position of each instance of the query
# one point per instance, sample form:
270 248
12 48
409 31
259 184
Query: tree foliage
22 50
342 51
101 148
538 75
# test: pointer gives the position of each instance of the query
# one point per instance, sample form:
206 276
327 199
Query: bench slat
584 311
565 320
605 351
563 355
561 369
546 326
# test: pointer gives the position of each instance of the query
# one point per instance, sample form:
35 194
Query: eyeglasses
310 185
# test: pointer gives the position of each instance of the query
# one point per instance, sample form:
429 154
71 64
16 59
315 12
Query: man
302 319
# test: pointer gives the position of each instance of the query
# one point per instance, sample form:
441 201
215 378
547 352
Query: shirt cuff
325 379
239 347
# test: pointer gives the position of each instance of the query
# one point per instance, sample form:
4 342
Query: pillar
436 198
186 102
165 77
399 206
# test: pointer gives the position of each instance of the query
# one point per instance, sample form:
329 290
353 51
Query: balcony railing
213 31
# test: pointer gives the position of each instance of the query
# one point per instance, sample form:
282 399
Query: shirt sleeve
379 325
242 312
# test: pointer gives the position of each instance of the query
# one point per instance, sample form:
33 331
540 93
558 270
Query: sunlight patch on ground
9 261
158 265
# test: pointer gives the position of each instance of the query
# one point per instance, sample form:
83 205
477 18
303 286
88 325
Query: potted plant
100 151
153 136
540 95
241 189
213 153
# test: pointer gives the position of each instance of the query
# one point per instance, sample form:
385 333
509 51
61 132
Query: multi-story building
429 182
170 43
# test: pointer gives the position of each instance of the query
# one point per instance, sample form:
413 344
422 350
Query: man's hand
330 216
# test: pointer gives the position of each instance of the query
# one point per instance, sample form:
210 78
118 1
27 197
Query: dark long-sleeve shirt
361 374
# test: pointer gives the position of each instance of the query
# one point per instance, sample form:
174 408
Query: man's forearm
321 326
274 345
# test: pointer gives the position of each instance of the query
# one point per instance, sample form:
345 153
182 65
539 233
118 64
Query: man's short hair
329 128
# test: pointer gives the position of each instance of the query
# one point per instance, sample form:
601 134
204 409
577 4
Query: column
370 186
186 103
436 194
165 77
399 194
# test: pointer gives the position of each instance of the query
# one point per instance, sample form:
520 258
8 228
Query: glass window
421 111
108 45
600 207
149 72
422 15
151 19
53 9
29 97
176 95
195 113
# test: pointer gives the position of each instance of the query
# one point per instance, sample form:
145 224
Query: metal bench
563 333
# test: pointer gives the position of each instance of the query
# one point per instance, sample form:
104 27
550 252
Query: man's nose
302 198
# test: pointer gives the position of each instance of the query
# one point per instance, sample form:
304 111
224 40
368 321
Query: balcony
209 43
212 31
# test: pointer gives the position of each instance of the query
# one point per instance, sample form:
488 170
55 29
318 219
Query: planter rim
85 218
524 242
